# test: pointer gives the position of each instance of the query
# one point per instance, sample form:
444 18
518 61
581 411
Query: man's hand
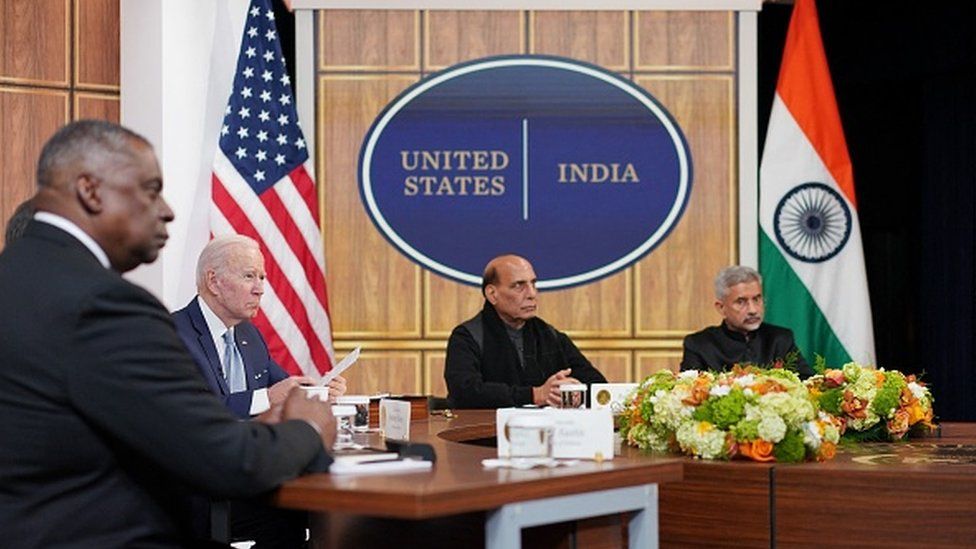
280 390
548 392
337 387
313 411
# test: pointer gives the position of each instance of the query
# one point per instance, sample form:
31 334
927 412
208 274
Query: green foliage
704 411
647 409
724 411
729 409
831 400
747 429
819 364
876 433
790 360
887 397
791 448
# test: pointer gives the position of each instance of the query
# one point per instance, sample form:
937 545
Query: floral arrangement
756 413
872 404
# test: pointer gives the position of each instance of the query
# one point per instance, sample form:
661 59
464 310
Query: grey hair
735 274
78 142
217 253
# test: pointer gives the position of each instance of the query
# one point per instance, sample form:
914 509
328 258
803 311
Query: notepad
376 464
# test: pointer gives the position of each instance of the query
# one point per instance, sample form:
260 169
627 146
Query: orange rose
878 379
827 451
833 378
915 412
898 425
757 450
906 398
699 392
854 406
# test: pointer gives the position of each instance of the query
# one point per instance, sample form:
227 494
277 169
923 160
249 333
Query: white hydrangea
670 411
918 391
720 390
812 435
792 409
772 428
701 438
745 381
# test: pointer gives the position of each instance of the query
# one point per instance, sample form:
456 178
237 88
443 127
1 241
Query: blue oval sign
569 165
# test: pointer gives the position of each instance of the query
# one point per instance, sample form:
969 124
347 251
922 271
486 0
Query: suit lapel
207 345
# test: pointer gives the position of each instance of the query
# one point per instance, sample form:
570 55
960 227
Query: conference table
504 500
920 493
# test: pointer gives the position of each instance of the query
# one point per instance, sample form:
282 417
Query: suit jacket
105 418
261 371
483 370
718 348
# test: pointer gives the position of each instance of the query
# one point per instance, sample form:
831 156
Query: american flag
262 188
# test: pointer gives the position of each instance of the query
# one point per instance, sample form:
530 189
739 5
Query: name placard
610 395
577 433
395 419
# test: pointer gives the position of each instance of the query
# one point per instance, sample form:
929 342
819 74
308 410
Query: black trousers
271 527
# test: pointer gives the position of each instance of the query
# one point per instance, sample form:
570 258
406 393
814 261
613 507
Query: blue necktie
233 365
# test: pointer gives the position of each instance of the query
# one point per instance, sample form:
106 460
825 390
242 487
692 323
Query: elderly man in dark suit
216 328
233 358
742 337
106 421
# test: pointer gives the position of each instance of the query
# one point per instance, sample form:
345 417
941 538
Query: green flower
747 429
886 399
831 400
791 448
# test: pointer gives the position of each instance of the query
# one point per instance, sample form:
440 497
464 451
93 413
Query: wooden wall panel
648 362
97 44
674 283
599 309
447 304
369 40
631 323
601 37
616 366
434 373
684 40
374 291
454 36
34 44
97 106
27 119
394 372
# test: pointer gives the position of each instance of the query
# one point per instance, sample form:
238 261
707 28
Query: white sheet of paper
343 365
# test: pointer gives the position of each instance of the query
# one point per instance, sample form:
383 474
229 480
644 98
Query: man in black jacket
742 337
505 355
106 421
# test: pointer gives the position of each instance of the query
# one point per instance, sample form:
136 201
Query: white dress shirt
259 397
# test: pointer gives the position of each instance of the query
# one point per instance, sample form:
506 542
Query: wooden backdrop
59 61
630 324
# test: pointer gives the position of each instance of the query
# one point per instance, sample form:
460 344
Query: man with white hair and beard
742 337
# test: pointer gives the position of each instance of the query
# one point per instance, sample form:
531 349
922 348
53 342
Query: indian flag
810 251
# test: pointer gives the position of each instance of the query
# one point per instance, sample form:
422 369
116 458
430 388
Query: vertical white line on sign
525 169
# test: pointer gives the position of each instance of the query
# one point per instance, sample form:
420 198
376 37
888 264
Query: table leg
503 529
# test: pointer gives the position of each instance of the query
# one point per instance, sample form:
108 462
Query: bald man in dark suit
106 421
